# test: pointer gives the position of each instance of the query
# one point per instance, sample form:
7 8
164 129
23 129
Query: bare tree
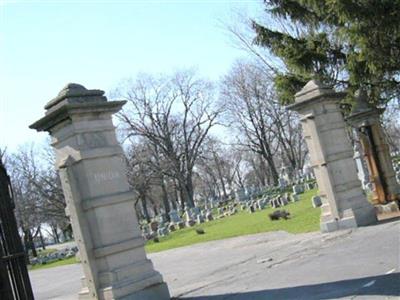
391 124
146 174
140 175
267 128
215 169
247 94
174 113
38 194
22 170
287 129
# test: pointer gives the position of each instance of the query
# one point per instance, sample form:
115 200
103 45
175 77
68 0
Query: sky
46 44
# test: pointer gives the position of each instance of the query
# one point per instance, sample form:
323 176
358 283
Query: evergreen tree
345 44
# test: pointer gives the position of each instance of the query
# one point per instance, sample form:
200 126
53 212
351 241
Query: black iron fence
14 278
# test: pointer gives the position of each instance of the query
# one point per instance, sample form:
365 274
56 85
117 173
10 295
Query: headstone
285 173
154 226
295 198
181 225
275 203
240 195
282 183
174 217
161 221
316 201
172 227
163 231
200 219
195 212
99 198
190 223
308 172
261 204
283 201
189 218
298 189
145 229
309 186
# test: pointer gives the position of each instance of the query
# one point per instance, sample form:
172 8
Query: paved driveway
354 264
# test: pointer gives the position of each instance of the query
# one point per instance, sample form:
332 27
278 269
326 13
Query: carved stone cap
75 99
314 91
363 114
361 104
311 90
76 93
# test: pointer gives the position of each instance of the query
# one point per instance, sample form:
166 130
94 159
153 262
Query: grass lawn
67 261
304 218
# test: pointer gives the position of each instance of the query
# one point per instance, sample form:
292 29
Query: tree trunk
55 234
144 206
184 192
172 194
154 206
41 239
165 199
173 204
26 245
138 210
263 170
69 232
271 164
190 191
175 201
31 243
221 178
182 198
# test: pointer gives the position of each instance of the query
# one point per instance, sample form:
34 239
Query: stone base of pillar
365 215
155 292
351 218
387 208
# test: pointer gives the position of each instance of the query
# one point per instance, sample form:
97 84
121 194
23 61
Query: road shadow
384 285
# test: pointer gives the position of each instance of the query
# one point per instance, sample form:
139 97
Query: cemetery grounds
303 218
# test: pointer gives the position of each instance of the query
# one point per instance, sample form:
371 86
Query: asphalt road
353 264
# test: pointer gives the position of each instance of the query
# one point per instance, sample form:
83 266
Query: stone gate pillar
344 204
99 199
366 120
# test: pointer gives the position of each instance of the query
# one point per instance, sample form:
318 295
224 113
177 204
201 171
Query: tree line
188 139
